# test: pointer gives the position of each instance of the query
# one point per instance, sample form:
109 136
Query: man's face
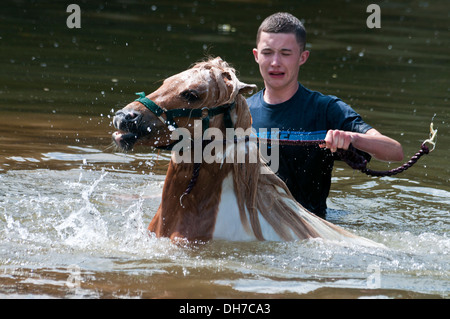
279 58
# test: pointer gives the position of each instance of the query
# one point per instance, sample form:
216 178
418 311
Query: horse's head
207 90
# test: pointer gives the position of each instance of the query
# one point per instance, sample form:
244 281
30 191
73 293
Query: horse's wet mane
254 190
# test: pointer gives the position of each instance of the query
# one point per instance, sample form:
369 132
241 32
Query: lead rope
357 161
350 156
192 182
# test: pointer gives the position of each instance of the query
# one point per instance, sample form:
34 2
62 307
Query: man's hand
379 146
338 139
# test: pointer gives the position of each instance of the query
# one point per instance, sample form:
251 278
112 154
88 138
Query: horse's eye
190 95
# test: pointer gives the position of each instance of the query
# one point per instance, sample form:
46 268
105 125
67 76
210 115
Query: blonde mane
254 191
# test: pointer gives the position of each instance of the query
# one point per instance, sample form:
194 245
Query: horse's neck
191 216
179 175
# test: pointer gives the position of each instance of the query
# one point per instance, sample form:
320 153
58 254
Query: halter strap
204 113
149 104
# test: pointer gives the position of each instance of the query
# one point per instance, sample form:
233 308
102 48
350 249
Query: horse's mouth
133 128
125 140
130 128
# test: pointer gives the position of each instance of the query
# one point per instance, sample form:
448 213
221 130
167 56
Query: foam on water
97 221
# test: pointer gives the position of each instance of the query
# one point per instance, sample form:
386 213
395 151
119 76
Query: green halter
204 113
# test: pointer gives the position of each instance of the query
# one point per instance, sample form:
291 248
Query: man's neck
277 96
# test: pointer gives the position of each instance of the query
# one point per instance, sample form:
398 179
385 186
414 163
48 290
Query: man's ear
255 54
303 57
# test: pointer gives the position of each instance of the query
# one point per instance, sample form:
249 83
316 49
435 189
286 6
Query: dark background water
59 88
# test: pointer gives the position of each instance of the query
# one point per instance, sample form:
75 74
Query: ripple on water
97 220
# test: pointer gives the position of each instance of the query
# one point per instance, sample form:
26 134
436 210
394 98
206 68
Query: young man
286 105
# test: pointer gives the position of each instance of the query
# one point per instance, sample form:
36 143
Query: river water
74 210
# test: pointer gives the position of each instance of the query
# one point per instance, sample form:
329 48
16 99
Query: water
74 211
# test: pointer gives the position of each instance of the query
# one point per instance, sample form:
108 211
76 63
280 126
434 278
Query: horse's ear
245 88
241 87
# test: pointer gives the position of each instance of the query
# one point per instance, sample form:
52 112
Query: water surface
74 210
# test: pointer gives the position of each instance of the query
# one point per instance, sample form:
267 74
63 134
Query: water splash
85 226
97 220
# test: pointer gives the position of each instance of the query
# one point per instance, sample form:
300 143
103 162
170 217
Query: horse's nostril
127 115
127 120
131 116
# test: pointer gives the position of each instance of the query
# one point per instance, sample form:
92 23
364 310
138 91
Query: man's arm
373 142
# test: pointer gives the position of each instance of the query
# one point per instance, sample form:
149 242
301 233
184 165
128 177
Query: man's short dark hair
283 22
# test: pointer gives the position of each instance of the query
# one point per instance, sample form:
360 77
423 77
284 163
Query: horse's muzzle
127 121
129 125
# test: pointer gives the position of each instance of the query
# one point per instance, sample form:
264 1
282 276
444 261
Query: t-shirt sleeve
340 116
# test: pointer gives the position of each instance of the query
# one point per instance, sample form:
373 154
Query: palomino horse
232 201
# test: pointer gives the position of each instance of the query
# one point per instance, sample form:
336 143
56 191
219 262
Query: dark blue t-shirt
306 170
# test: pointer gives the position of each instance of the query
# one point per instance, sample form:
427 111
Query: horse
208 200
